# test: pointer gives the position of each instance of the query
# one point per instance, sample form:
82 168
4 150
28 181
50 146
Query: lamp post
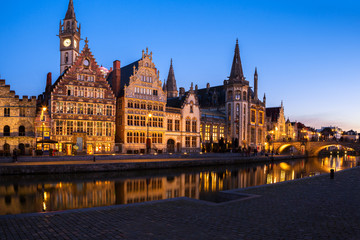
148 143
42 127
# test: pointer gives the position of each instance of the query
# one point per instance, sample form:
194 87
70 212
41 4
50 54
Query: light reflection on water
26 194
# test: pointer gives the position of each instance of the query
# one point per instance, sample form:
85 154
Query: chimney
116 79
48 82
196 87
181 92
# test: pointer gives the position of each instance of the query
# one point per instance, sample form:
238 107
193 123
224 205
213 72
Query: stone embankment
100 163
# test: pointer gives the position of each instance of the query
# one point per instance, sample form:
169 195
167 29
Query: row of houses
128 109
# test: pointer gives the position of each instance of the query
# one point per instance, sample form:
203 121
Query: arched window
230 95
244 96
66 57
21 131
6 130
129 137
237 95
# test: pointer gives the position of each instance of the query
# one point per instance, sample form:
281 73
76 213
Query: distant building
350 136
16 121
275 123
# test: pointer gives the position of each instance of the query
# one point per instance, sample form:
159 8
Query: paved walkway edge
103 165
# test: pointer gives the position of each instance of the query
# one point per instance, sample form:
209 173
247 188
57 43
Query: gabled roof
211 97
126 72
176 102
273 113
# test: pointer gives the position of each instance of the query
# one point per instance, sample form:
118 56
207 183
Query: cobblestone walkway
311 208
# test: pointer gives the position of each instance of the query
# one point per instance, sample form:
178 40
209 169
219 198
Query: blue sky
307 52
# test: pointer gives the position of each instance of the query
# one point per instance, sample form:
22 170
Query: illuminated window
215 133
201 132
261 117
221 135
80 108
161 120
252 116
207 132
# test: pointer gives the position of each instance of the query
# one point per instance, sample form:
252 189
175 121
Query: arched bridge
313 148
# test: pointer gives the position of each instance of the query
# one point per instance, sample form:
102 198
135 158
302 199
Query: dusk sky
307 52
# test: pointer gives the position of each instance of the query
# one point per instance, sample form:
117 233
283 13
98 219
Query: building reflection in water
39 197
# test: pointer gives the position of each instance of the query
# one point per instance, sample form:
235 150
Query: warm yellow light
150 115
276 128
44 109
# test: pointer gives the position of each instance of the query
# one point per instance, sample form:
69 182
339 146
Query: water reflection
24 194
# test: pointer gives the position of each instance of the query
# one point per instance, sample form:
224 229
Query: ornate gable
144 83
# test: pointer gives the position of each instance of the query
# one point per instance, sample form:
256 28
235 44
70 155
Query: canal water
43 193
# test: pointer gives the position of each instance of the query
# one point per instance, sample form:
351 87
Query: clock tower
69 34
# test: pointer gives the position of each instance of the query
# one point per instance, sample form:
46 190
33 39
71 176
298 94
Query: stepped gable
79 67
273 113
126 72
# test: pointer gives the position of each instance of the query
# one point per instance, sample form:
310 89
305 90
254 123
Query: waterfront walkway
310 208
77 164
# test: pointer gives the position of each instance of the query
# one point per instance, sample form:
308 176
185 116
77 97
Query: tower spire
256 84
171 83
236 73
70 14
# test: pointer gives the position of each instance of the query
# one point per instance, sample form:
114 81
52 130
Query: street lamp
148 143
42 126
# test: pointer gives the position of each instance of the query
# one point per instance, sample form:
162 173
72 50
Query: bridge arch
317 150
284 146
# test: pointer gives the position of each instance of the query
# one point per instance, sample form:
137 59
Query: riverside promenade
101 163
309 208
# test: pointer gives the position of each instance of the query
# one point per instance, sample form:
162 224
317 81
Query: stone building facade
16 121
232 112
80 104
146 121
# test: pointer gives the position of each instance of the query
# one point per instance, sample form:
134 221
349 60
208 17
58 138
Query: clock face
75 43
67 42
86 63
